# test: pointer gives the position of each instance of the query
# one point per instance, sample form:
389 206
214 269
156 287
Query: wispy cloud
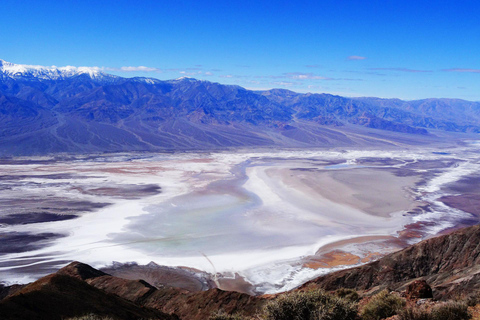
356 58
313 66
462 70
304 76
190 73
401 70
283 83
134 69
235 76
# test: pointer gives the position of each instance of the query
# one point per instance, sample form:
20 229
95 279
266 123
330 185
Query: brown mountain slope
60 296
79 289
449 263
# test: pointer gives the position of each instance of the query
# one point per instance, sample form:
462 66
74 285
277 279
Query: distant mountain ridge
50 110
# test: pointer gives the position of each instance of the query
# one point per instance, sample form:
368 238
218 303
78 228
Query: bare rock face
79 289
60 296
80 271
419 289
450 263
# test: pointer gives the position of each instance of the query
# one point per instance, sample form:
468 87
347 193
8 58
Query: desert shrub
337 309
90 316
473 299
382 305
224 316
415 313
348 294
451 310
312 305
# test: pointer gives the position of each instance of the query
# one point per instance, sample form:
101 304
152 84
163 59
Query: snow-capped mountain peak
18 71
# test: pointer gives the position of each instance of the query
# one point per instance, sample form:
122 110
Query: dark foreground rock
79 289
61 296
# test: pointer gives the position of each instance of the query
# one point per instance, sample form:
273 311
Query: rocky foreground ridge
449 263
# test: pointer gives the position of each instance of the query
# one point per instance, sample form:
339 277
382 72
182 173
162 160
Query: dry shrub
473 299
382 305
312 305
91 316
348 294
415 313
451 310
225 316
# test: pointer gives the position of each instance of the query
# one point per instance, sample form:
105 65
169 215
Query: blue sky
393 49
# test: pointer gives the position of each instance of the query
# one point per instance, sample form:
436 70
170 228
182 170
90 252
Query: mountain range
80 110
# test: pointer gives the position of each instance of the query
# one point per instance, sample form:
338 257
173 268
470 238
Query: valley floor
252 221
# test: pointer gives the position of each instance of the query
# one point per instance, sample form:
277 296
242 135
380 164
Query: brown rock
419 289
60 296
449 263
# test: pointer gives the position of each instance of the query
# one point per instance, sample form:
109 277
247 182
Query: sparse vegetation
312 305
348 294
91 316
225 316
451 310
415 313
473 299
382 305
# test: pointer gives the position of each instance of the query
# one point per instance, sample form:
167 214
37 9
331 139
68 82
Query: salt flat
266 220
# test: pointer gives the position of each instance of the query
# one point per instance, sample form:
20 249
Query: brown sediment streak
336 254
333 259
339 244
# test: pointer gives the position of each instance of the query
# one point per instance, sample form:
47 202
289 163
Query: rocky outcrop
60 296
200 305
449 263
79 289
184 303
419 289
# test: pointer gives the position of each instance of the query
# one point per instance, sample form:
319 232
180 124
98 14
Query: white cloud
356 58
283 83
401 70
304 76
191 73
134 69
463 70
